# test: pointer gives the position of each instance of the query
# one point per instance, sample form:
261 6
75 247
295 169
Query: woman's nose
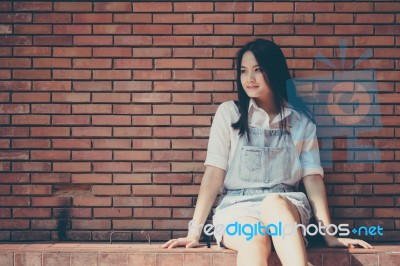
251 77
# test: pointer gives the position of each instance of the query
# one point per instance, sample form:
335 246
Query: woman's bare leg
250 252
290 249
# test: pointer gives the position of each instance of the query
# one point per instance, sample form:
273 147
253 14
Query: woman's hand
188 242
346 242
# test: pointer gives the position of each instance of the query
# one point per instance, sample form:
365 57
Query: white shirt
224 139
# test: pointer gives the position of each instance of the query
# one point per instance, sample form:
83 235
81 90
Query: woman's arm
315 188
211 183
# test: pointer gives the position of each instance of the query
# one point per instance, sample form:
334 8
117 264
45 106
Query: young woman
260 148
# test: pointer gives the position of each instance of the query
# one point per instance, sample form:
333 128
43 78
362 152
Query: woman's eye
257 70
243 71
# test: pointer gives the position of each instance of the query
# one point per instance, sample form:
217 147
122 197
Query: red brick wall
106 108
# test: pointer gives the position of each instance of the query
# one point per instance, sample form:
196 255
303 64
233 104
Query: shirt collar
286 110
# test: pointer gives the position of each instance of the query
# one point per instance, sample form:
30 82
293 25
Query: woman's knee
274 203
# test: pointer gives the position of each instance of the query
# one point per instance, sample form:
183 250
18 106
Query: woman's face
252 78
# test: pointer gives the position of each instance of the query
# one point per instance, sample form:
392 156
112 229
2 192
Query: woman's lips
252 87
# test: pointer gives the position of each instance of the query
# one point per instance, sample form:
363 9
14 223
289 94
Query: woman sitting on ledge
260 148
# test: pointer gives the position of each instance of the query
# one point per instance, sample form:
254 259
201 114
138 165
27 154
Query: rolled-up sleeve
220 140
309 156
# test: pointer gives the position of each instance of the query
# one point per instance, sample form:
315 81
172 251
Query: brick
52 18
132 155
113 51
275 7
94 63
374 201
172 155
14 131
151 190
72 29
111 120
5 74
50 155
353 29
189 52
50 177
52 86
170 224
15 63
188 167
374 41
233 7
152 29
386 189
132 40
217 63
132 18
111 143
191 74
49 131
112 29
71 143
31 166
111 97
152 212
93 40
92 201
112 212
386 212
52 40
30 143
91 155
91 224
354 7
212 18
112 167
189 143
132 64
233 29
72 52
193 29
374 18
173 40
314 29
14 224
354 212
91 108
31 213
129 132
152 7
172 201
193 6
173 109
31 74
213 40
191 98
71 167
151 52
4 166
118 6
132 178
92 86
72 74
151 97
174 63
151 144
128 224
155 167
132 201
172 178
73 7
29 6
132 86
6 6
314 7
14 155
299 18
173 85
31 97
14 201
14 108
32 29
31 189
6 51
191 120
17 40
5 144
50 108
91 178
172 132
151 74
70 97
111 190
92 18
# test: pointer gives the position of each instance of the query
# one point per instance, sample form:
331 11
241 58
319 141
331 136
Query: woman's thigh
237 242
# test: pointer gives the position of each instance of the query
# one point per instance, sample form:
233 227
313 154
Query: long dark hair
273 65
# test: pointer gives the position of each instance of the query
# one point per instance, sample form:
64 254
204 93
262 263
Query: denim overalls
269 164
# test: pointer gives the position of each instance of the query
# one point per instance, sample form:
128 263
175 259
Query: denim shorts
233 207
